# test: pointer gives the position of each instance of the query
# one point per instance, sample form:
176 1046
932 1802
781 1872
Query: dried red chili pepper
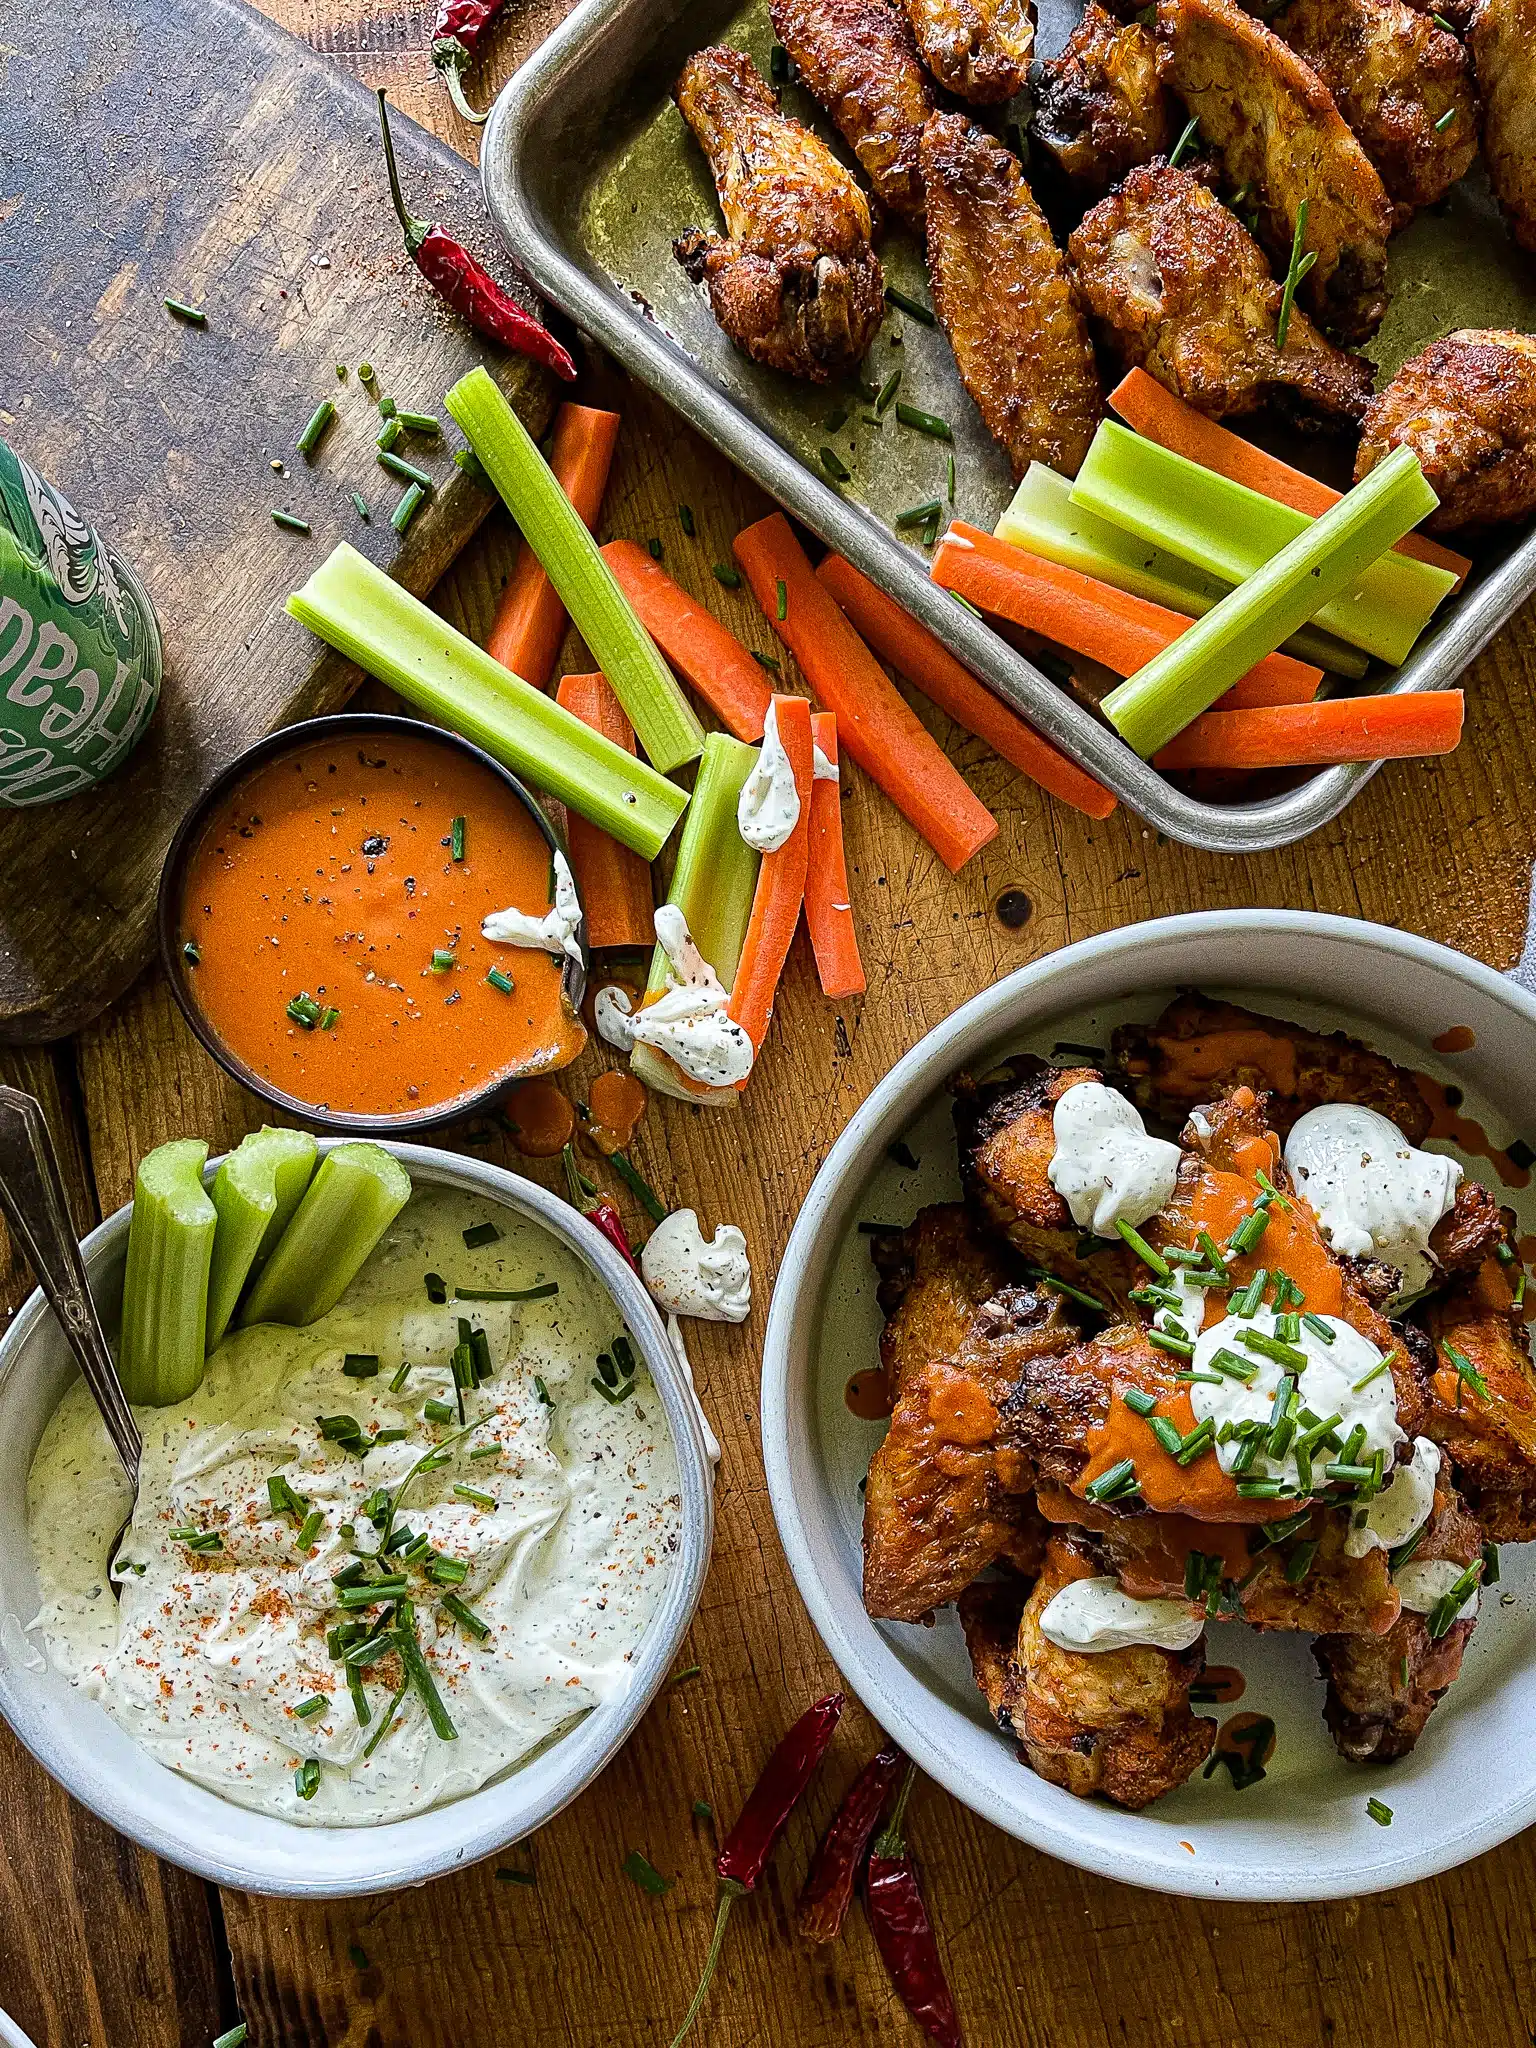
457 29
748 1846
466 284
904 1933
596 1207
828 1889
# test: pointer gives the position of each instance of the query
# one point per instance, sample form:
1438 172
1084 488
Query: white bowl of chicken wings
1189 1264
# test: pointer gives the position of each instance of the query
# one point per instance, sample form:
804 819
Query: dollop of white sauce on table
1094 1614
1403 1506
205 1658
1374 1195
1420 1585
613 1013
1105 1167
768 808
1327 1384
554 932
689 1022
694 1276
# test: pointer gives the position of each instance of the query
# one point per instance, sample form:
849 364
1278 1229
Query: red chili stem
595 1206
841 1853
903 1932
745 1852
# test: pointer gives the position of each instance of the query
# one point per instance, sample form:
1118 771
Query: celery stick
347 1207
712 885
1328 556
663 718
165 1284
1043 519
369 618
1229 531
255 1192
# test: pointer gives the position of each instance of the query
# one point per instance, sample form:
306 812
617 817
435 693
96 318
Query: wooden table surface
100 1943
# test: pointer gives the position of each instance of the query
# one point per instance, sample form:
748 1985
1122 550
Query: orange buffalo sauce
330 873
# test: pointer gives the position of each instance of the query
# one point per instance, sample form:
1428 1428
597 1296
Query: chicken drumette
794 281
1402 83
1279 137
1100 107
859 60
1467 408
1173 281
977 49
1503 43
1001 290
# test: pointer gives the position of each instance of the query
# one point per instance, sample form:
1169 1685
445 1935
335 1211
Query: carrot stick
875 723
828 911
615 884
1161 416
1092 618
530 620
1318 735
927 663
702 651
780 887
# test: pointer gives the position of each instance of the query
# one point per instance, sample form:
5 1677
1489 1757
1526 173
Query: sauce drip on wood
545 1119
616 1102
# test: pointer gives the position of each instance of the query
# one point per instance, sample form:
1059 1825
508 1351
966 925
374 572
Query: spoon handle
37 1209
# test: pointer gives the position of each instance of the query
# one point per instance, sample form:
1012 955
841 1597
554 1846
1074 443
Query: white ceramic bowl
1304 1832
92 1757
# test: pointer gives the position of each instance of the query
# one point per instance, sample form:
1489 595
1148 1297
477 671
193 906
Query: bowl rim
379 1862
273 746
901 1706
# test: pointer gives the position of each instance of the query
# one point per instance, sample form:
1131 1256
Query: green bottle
79 646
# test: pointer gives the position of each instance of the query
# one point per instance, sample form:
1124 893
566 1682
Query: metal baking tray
589 173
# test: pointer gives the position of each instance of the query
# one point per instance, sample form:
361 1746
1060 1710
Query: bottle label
80 659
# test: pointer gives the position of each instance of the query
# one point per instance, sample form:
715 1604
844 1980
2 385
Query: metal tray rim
511 145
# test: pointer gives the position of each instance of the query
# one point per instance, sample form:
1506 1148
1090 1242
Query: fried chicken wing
859 60
989 1615
1198 1049
945 1497
1100 107
1402 83
1489 1436
1467 408
1115 1722
794 281
1001 290
1274 125
977 49
1503 43
1173 282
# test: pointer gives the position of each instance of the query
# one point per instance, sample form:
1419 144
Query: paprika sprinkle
752 1841
840 1855
466 284
457 29
904 1933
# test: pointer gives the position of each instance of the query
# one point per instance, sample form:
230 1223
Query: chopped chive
1138 1402
1380 1813
194 317
723 573
479 1234
1490 1555
361 504
1467 1373
410 471
685 520
1504 1253
408 507
1288 1328
388 409
306 1779
1347 1473
1251 1229
387 435
702 1810
500 981
442 959
1200 1379
485 1451
1231 1367
639 1187
1322 1332
1212 1251
1163 1340
624 1356
439 1411
310 1529
1251 1300
282 1498
1296 270
456 840
418 1672
365 371
610 1395
1199 1440
1143 1250
466 1617
913 308
315 1704
688 1671
1299 1563
1445 120
641 1871
950 488
1120 1478
887 392
1441 22
321 418
654 547
1151 1297
191 952
834 465
360 1365
475 1497
767 661
395 1698
290 521
781 602
1375 1373
917 515
1259 1489
542 1292
1167 1433
419 422
924 422
1289 1355
1064 1287
1184 144
1442 1615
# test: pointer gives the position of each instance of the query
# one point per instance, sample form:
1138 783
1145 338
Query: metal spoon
37 1209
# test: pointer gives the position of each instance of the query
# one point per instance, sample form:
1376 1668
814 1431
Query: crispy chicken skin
1374 1712
794 281
859 60
1199 1049
944 1498
989 1615
979 50
1274 126
1115 1722
1001 290
1467 408
1401 82
1173 282
1491 1441
1503 44
1100 107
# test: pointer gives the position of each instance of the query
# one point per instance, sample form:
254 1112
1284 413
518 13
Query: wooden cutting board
191 149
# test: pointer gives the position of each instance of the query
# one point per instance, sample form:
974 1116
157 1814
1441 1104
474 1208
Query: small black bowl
291 739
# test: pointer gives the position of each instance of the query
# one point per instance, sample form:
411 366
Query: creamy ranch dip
565 1529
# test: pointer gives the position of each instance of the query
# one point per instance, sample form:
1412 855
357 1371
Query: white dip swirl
554 932
1403 1506
613 1013
1105 1167
690 1022
1420 1585
1094 1615
692 1276
768 808
1374 1195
